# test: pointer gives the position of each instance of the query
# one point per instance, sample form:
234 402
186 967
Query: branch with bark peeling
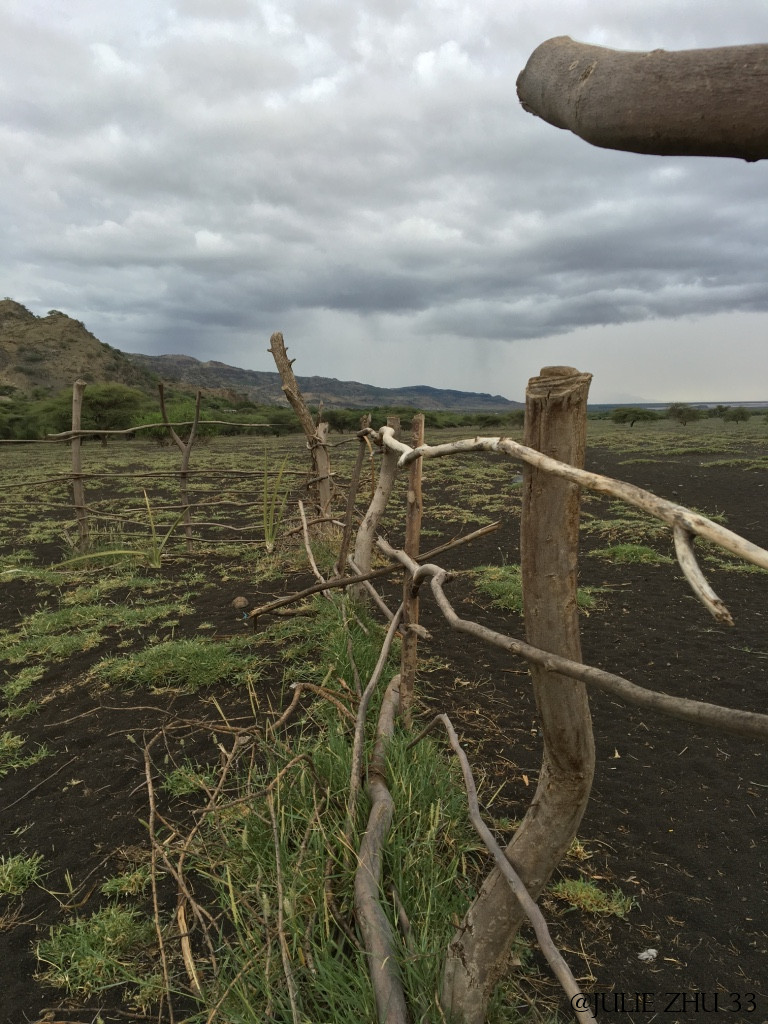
675 516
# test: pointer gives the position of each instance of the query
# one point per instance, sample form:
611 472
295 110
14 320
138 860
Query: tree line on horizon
113 406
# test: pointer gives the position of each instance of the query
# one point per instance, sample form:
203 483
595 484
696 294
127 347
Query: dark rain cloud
185 175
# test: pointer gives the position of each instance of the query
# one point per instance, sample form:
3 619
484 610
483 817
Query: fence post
555 424
78 487
316 434
409 650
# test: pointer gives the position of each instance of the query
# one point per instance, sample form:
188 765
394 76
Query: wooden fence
242 493
553 477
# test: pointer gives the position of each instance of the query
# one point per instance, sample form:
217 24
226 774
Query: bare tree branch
741 723
681 103
695 577
374 924
555 960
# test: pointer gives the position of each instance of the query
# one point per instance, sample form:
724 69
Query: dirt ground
677 818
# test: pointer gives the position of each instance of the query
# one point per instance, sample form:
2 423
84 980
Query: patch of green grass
189 777
128 883
582 894
11 756
19 872
632 554
114 946
183 664
624 524
56 634
504 585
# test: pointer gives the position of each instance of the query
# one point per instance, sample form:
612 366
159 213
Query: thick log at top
680 103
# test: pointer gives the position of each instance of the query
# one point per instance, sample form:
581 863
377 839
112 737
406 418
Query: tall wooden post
316 434
555 424
78 488
409 651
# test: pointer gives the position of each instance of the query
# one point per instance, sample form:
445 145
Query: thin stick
354 483
555 960
376 597
153 880
307 545
355 774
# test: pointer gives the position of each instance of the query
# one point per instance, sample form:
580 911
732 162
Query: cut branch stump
681 103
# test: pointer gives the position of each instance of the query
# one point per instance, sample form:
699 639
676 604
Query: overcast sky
191 176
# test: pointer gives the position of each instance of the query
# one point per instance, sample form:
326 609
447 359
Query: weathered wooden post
555 424
316 434
409 651
78 487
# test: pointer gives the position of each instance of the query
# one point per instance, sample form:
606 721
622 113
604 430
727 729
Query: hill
262 386
42 355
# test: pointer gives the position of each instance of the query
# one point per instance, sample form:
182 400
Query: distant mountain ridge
263 386
43 355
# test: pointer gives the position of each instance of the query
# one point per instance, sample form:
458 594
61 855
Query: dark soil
677 818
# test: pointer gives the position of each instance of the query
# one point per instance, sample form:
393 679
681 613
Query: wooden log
671 103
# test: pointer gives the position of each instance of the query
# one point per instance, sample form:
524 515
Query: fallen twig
346 581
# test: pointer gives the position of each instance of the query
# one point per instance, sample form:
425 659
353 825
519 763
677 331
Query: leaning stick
307 546
554 958
355 773
695 577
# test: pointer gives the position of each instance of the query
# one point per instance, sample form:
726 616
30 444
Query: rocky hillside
40 355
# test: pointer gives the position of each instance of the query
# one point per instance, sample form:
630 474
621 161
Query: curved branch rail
741 723
677 517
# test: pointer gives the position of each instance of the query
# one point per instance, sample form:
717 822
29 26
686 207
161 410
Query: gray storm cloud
190 174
